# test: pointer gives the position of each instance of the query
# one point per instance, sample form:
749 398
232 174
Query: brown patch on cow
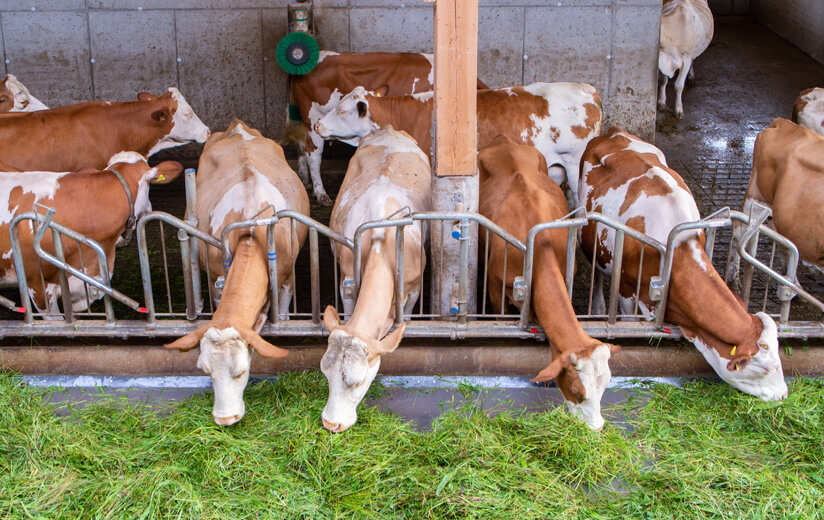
593 117
6 98
651 187
554 134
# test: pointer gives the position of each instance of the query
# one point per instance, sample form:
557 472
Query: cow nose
208 132
317 128
332 427
227 421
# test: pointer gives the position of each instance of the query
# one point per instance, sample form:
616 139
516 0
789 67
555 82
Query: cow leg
284 299
303 168
598 304
411 300
691 77
314 170
572 167
662 91
679 86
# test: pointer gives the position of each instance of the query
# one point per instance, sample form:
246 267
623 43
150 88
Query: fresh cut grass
702 451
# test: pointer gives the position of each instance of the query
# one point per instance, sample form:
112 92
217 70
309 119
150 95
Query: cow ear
738 362
166 172
331 318
145 96
362 108
381 91
389 343
613 348
552 371
263 347
160 115
189 341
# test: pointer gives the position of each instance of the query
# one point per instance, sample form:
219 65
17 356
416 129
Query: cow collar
130 223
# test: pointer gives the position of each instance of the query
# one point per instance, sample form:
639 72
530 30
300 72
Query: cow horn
554 368
190 340
263 347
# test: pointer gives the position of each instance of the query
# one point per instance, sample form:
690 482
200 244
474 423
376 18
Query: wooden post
454 145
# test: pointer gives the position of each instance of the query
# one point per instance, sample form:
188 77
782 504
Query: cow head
15 97
583 376
350 364
163 173
177 118
753 369
225 356
350 121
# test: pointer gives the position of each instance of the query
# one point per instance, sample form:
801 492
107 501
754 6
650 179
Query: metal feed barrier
757 246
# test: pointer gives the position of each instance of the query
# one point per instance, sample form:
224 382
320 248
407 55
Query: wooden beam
456 72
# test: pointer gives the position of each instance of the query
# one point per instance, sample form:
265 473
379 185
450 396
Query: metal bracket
519 289
656 288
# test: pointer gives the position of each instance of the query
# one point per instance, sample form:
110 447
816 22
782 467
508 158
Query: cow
516 194
15 97
388 174
242 174
628 180
92 202
787 170
808 109
87 134
686 32
337 74
556 118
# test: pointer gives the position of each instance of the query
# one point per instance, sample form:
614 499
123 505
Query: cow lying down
628 180
242 174
388 172
15 97
92 202
558 119
516 194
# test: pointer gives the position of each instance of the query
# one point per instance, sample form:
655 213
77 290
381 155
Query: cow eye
239 375
3 99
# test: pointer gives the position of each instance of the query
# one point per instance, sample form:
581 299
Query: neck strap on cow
130 224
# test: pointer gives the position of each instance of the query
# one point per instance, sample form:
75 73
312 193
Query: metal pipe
194 247
399 275
615 282
463 273
188 289
314 274
65 292
272 266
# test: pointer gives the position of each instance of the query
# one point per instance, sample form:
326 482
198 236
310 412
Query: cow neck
246 289
404 113
702 302
142 132
377 290
551 302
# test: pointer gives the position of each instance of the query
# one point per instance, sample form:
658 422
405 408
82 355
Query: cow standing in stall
517 194
335 75
787 177
686 32
87 134
389 174
629 181
15 97
558 119
242 174
92 202
808 109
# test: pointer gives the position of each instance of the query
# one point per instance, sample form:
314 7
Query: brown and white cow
87 134
241 174
335 75
15 97
516 194
808 109
629 181
388 173
91 202
686 31
556 118
788 177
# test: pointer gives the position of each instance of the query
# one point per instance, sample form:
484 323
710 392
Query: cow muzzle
228 421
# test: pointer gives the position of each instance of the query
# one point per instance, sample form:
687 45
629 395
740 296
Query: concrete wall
221 52
799 21
729 7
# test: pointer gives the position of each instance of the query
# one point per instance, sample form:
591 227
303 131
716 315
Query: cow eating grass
388 173
242 174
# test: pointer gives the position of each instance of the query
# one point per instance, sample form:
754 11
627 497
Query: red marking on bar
533 330
21 310
143 310
666 329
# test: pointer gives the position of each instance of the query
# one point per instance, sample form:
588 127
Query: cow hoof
323 199
679 115
662 105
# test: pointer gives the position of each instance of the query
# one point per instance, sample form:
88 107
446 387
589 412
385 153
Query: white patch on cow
698 253
394 142
812 115
763 376
7 255
43 185
431 59
23 100
125 157
226 358
239 130
594 374
186 126
372 205
636 145
424 97
414 84
325 54
508 90
246 199
349 374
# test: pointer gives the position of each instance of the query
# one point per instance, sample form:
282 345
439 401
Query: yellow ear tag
732 352
377 94
162 178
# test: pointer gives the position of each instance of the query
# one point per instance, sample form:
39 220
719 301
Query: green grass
703 451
